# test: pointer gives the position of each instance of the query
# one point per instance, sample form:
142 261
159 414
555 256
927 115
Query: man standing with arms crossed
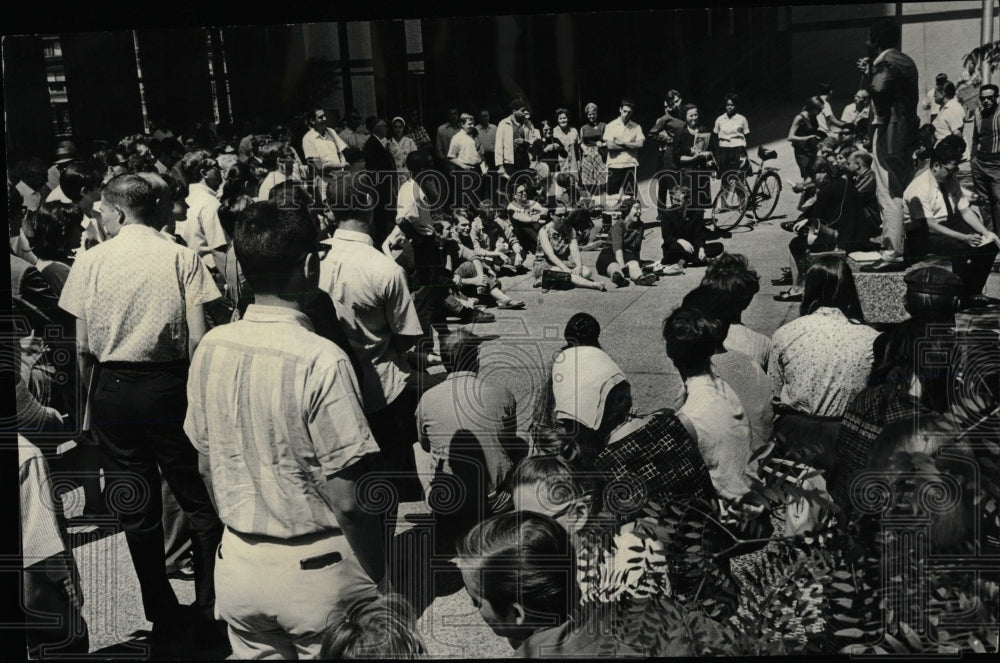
623 138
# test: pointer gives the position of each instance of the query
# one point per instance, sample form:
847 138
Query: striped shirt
134 291
986 133
41 534
276 409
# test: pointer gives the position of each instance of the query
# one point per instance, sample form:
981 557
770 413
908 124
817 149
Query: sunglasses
991 97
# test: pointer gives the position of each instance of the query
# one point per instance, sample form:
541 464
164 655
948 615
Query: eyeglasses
991 97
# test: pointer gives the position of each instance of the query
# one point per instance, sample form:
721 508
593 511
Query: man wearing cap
946 224
932 296
469 427
985 150
65 153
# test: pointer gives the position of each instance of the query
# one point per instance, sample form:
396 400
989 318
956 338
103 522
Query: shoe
786 270
788 296
786 279
789 225
471 316
185 571
979 301
619 280
511 305
653 267
672 270
884 267
646 280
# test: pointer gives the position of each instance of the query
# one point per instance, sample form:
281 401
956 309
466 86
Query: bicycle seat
765 154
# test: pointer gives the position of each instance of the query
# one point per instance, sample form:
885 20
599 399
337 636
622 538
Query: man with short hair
469 428
985 151
950 120
356 137
464 156
623 138
663 131
509 157
948 226
201 231
891 78
33 174
286 457
931 103
858 112
81 184
323 144
486 138
378 160
373 303
860 166
139 302
445 133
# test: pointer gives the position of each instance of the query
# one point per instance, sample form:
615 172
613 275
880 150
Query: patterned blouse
560 242
820 362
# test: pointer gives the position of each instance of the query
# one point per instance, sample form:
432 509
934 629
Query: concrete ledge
881 295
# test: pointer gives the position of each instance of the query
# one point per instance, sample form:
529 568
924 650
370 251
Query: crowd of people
253 323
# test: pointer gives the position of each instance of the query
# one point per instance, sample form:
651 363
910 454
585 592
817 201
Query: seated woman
518 569
473 276
558 251
820 361
526 216
493 238
683 231
626 244
836 220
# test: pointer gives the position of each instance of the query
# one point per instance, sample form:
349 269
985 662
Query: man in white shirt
31 184
931 105
373 303
936 198
465 159
202 231
623 138
323 144
950 120
857 112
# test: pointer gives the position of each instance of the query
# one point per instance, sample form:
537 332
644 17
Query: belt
143 365
303 539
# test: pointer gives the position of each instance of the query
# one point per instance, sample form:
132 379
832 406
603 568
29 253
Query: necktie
947 200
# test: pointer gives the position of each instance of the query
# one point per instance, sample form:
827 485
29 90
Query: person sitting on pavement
558 251
734 283
472 276
684 236
526 215
620 260
582 329
494 240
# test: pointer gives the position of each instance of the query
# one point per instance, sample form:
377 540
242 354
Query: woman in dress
805 135
570 139
620 260
593 174
559 251
400 145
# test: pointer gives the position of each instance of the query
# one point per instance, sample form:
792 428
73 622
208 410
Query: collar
881 56
460 374
353 236
829 311
138 229
204 188
280 314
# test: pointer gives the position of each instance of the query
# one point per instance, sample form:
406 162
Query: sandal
788 296
646 280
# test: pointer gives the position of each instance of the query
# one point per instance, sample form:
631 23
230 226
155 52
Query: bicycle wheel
764 198
730 204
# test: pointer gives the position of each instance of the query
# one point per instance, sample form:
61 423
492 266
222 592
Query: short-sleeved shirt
41 535
732 131
751 385
463 147
487 138
411 203
372 300
276 410
724 438
821 120
924 193
820 362
202 231
473 411
328 147
950 119
624 134
134 291
752 343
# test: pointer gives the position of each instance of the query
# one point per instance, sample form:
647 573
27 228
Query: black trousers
971 264
621 180
674 252
527 234
137 418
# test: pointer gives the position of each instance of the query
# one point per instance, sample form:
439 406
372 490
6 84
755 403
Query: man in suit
379 161
891 80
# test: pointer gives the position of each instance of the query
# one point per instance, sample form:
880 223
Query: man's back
276 408
894 94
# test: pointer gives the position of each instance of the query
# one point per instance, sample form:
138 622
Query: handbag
554 279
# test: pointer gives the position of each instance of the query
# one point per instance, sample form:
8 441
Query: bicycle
736 197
